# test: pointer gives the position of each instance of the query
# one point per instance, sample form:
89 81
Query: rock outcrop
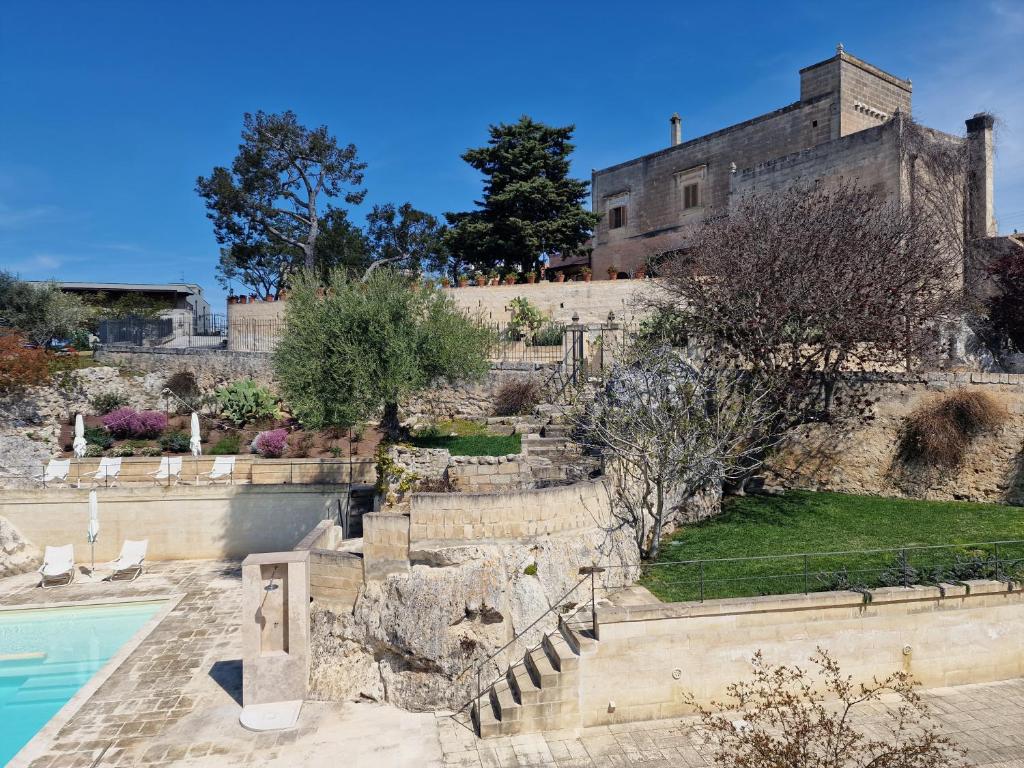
17 554
411 639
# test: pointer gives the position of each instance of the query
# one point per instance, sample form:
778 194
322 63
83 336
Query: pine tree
531 208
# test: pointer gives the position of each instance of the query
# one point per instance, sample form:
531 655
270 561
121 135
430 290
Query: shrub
98 437
244 401
93 451
127 422
20 367
938 433
271 444
226 446
517 397
80 340
149 450
176 442
550 335
105 402
185 388
122 450
530 570
525 319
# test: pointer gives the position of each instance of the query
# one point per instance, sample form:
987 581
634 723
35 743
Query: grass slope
466 438
806 522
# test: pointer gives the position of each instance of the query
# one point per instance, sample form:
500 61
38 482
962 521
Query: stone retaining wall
863 457
181 522
649 656
212 367
490 474
385 545
512 515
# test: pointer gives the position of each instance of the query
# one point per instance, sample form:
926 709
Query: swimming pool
48 654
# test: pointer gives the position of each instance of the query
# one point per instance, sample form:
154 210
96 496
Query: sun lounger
130 562
107 473
58 566
170 466
223 469
56 471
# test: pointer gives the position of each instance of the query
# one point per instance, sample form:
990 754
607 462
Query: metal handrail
480 665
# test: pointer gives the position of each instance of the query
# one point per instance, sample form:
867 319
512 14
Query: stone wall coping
798 602
161 492
310 539
273 558
536 492
337 554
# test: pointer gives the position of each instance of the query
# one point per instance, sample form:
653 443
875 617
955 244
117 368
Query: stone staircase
553 445
539 693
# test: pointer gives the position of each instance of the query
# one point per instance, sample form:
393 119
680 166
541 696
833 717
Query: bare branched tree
669 430
803 286
785 716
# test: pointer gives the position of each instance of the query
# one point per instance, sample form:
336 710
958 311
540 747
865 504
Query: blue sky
109 110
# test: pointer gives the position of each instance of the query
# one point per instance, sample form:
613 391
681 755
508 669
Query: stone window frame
687 178
619 200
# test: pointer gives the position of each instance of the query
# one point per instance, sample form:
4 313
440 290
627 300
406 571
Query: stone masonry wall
649 656
862 457
212 367
512 515
385 545
490 474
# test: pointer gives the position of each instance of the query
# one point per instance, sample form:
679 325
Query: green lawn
466 438
805 522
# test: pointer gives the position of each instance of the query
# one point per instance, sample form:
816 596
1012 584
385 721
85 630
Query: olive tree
358 348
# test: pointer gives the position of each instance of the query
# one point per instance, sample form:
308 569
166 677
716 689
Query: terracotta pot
253 298
640 274
281 296
510 280
531 279
493 281
613 275
231 299
587 277
240 300
463 283
269 298
481 281
560 277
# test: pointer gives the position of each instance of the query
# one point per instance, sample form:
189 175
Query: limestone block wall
470 399
490 474
649 656
212 367
560 301
335 578
512 515
181 522
862 457
385 545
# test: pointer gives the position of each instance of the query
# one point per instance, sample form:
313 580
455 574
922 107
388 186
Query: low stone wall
863 457
649 656
463 399
248 469
181 522
512 515
212 367
490 474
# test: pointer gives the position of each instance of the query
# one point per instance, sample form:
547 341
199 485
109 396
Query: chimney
981 220
675 130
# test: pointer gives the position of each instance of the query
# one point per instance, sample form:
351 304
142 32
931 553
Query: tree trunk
659 519
389 423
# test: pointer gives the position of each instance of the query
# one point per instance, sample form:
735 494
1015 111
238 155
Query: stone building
846 123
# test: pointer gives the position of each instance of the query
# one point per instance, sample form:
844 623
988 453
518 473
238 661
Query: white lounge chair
56 471
223 469
129 562
170 466
58 566
107 473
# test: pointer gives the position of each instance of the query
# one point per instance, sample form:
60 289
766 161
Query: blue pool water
47 654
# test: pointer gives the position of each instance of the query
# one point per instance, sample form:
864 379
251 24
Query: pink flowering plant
127 422
271 443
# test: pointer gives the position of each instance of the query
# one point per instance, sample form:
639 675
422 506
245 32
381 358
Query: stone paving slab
986 719
175 700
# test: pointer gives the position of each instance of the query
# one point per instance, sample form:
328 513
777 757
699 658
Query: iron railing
544 344
857 570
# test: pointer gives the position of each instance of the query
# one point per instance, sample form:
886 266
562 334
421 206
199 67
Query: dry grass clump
517 397
938 433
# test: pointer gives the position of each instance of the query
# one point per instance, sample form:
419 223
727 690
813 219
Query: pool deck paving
175 699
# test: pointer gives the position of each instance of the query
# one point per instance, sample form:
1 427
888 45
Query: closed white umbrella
79 445
93 531
195 443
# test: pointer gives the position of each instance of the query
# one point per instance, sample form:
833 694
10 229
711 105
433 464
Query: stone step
561 653
522 685
541 669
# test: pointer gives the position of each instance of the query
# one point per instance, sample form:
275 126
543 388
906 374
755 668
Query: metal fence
209 331
545 344
857 570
